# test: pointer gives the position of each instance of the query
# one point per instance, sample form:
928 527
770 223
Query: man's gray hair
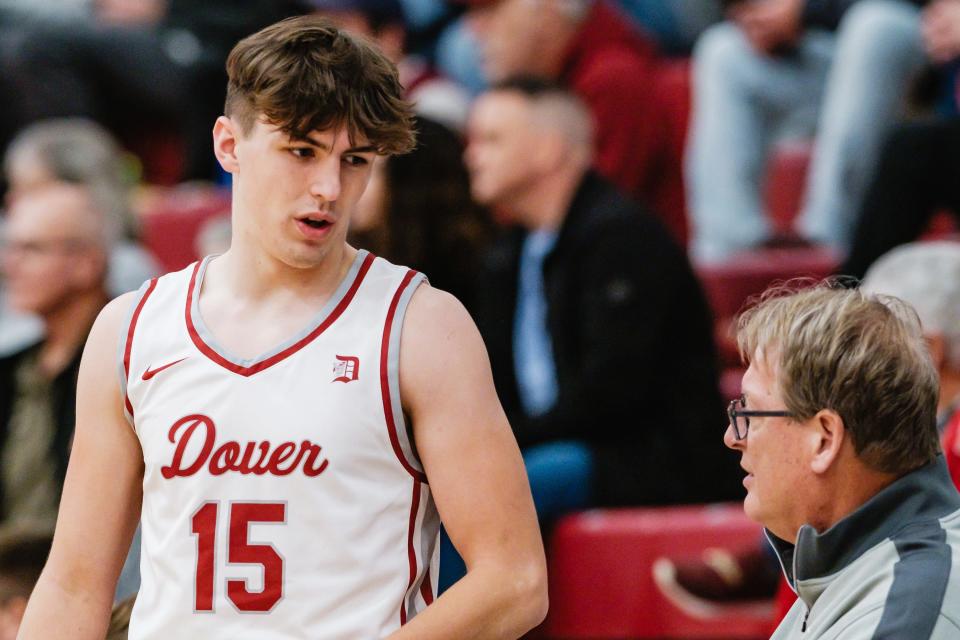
926 275
861 355
554 108
80 151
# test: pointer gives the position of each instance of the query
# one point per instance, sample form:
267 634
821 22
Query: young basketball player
292 418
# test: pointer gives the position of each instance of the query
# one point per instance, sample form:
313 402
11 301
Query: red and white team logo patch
346 369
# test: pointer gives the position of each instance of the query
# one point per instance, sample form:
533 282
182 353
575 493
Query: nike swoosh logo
149 373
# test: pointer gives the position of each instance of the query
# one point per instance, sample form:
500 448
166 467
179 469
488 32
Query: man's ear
552 151
827 439
225 135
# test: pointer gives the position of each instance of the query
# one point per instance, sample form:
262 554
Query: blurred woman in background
417 212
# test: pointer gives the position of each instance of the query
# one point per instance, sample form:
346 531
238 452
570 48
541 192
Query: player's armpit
476 476
101 499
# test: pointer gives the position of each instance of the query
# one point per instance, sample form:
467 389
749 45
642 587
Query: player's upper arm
102 490
462 436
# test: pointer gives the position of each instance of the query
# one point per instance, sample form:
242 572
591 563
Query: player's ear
225 134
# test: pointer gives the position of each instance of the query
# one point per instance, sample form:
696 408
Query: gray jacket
890 570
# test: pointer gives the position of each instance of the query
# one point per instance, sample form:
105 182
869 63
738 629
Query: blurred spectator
79 151
598 332
674 23
458 55
383 22
16 12
23 552
16 329
941 30
214 236
55 254
137 62
927 276
919 164
589 47
917 176
120 619
776 62
417 211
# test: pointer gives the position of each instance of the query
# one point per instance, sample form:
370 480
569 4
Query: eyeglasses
740 417
30 248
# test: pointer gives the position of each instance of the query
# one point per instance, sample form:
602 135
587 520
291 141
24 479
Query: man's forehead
50 212
356 141
332 136
760 377
501 108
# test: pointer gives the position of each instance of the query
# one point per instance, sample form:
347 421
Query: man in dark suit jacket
599 334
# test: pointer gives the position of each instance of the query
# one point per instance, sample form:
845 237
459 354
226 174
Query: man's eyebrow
369 148
315 143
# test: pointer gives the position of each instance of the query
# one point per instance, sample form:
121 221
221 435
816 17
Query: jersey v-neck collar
204 340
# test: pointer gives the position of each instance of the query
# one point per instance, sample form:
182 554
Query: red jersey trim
426 589
266 363
411 552
419 476
128 347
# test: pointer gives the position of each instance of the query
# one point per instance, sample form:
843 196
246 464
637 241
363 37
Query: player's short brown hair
303 74
863 356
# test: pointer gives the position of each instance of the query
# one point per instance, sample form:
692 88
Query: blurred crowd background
603 183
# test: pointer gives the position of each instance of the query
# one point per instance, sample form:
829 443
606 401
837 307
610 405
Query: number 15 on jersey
239 551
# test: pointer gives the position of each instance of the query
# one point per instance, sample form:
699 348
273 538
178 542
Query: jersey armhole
125 344
390 376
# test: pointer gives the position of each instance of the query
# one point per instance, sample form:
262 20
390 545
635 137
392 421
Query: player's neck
255 275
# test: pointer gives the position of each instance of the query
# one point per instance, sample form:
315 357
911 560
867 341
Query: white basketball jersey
282 497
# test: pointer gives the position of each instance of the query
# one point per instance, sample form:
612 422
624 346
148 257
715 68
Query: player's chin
306 256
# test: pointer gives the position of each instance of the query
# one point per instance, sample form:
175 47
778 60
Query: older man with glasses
55 254
837 433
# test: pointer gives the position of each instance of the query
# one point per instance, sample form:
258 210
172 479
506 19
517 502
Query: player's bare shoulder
98 385
109 323
435 321
440 346
431 308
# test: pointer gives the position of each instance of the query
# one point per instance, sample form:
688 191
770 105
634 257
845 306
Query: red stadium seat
730 285
672 89
160 150
601 582
170 225
785 182
786 179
